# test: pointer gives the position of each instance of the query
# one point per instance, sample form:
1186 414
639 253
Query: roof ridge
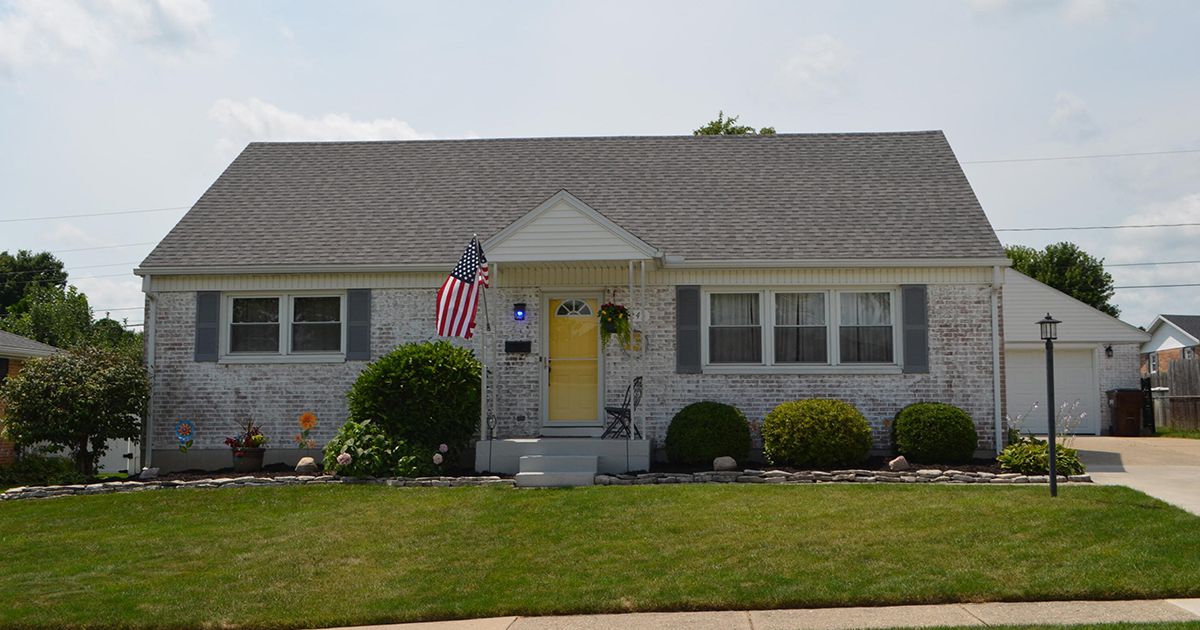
702 138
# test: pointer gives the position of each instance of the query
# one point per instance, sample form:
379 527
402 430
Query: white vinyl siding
563 232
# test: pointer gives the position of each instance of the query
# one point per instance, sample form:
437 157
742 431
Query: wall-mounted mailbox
518 346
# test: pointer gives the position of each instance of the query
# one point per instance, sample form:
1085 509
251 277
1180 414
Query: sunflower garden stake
614 320
308 422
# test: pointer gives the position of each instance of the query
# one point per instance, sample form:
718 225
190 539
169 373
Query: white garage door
1073 380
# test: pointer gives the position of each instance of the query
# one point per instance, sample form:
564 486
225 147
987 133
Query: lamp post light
1049 327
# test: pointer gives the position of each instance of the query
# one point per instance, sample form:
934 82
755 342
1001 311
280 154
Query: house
758 270
1172 338
1094 353
14 351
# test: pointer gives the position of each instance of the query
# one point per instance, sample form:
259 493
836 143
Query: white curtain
735 331
866 309
799 309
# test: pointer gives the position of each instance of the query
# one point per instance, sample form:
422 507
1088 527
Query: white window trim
286 306
766 305
1153 363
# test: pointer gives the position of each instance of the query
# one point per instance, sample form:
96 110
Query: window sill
803 369
233 359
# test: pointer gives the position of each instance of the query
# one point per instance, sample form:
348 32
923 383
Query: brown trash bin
1125 409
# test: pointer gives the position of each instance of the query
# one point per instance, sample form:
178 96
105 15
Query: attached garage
1093 354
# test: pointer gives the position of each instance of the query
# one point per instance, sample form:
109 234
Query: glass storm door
573 363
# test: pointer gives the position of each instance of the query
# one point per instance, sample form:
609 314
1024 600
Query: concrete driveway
1164 468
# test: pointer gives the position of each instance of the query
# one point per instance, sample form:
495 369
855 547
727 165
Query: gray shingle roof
17 346
1189 324
792 196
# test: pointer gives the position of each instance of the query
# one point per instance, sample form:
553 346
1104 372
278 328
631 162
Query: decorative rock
725 463
1083 478
929 472
147 473
307 465
900 463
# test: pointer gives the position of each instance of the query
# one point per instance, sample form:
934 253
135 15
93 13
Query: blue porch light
519 311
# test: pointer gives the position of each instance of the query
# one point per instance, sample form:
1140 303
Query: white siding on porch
564 233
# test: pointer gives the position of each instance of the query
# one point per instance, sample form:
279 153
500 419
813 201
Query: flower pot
248 459
608 328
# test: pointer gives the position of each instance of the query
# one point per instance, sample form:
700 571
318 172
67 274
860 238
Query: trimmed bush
816 433
371 452
421 394
935 433
704 431
35 469
1031 456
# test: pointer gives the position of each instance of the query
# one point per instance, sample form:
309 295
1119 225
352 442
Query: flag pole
483 376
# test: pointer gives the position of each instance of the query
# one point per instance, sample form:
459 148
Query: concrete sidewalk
988 614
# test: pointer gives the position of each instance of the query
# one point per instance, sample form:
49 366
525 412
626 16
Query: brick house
1172 338
14 351
757 270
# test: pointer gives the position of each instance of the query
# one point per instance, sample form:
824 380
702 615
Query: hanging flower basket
614 320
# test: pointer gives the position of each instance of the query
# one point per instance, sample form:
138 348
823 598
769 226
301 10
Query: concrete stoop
556 471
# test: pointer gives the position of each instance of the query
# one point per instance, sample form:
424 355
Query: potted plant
247 448
614 320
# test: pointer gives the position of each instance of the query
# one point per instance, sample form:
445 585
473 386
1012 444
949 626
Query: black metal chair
620 419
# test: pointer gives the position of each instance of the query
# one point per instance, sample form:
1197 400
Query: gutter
148 332
997 282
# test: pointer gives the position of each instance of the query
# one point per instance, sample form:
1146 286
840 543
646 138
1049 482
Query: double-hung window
285 325
800 329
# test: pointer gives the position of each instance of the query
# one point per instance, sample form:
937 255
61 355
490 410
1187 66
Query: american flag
459 294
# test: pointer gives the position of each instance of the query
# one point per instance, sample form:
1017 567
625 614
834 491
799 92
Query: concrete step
541 479
558 463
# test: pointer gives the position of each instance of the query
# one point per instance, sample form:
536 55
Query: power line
123 308
87 249
1145 264
1156 286
1097 227
14 273
1082 157
94 214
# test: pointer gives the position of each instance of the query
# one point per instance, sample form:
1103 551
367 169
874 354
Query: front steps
556 471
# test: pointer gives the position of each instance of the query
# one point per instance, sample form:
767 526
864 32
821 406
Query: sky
116 105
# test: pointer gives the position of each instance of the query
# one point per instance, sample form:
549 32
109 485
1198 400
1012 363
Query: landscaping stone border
733 476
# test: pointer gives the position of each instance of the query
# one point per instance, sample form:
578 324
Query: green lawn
1178 433
1166 625
306 556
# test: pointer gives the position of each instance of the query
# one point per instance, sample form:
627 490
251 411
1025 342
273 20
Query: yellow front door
573 363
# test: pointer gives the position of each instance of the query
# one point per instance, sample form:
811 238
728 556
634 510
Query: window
1189 353
735 329
801 335
1153 362
865 334
574 308
284 325
800 330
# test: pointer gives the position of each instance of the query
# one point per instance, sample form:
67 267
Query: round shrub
704 431
935 433
422 394
369 452
816 433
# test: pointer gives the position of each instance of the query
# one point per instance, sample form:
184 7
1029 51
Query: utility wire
1082 157
1146 264
94 214
88 249
123 308
13 273
1097 227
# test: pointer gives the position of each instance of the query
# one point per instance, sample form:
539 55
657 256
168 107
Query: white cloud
1072 11
87 34
819 65
1139 306
1071 119
256 120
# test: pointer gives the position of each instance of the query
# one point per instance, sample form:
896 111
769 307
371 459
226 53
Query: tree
723 126
1069 269
24 270
76 400
50 314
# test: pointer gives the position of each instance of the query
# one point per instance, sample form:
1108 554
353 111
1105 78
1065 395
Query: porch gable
564 228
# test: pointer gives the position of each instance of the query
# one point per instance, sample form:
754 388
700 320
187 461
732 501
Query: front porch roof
564 228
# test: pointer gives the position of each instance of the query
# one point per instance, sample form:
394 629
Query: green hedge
935 433
816 433
1031 456
704 431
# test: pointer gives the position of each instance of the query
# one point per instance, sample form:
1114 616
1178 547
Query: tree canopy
20 271
723 126
1069 269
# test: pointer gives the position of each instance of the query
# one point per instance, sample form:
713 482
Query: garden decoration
614 320
247 448
183 432
308 422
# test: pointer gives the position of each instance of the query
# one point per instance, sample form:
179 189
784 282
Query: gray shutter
687 330
208 325
914 318
358 324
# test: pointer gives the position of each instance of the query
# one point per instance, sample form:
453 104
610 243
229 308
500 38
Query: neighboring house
1172 338
14 351
759 270
1095 352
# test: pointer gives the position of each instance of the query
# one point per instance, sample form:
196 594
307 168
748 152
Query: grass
311 556
1178 433
1162 625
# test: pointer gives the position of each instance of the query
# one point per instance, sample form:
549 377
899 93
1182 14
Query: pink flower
437 459
344 459
443 448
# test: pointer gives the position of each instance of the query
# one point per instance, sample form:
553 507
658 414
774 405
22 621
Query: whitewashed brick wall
1121 371
214 395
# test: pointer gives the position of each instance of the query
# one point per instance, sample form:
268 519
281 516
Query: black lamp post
1049 327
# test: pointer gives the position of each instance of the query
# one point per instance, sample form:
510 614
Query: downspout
151 318
999 422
